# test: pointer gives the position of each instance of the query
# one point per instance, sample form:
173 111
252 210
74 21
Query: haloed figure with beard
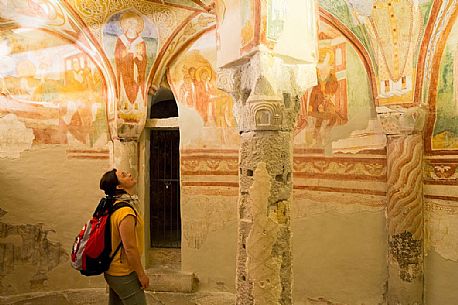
130 59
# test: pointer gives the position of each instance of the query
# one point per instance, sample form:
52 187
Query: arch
324 16
80 54
433 86
163 59
103 63
360 49
163 104
423 50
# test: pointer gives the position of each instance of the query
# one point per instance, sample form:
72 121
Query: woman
126 276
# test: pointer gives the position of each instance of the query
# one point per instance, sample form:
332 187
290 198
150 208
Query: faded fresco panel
248 19
53 87
445 132
209 144
130 41
206 112
341 102
33 12
390 31
276 15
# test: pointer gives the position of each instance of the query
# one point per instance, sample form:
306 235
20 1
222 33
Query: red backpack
92 246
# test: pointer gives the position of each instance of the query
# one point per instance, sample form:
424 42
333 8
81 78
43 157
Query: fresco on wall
445 131
207 109
130 42
390 32
394 28
276 14
325 105
247 13
53 87
341 104
351 14
220 11
32 12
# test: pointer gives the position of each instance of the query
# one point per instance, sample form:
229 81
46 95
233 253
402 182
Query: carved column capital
266 90
397 120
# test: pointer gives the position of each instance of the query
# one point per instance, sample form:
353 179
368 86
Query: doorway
165 216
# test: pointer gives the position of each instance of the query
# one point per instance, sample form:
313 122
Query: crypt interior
286 151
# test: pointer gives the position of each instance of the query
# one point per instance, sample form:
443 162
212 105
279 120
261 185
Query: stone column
265 118
125 156
264 273
125 138
404 204
267 67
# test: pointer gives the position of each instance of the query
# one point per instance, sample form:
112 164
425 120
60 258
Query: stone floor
158 260
98 296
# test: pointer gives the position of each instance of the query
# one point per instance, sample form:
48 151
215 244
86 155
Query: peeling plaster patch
442 229
372 137
15 137
407 252
203 215
28 244
314 203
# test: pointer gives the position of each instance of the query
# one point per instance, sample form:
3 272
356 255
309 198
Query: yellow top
119 266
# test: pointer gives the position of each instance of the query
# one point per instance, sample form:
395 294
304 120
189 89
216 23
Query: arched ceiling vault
434 45
189 31
58 18
361 50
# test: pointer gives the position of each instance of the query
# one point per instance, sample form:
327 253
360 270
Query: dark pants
125 290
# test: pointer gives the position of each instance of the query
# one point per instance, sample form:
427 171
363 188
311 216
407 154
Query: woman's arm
129 242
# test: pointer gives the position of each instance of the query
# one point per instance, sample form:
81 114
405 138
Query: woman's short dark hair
109 182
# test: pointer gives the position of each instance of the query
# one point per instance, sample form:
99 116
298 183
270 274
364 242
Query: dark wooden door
165 216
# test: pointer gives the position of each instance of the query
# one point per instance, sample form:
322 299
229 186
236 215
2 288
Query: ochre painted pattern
404 185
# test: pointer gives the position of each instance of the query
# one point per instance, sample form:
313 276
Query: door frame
143 185
178 185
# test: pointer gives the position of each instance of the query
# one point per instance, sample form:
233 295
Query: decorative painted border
220 162
440 171
447 198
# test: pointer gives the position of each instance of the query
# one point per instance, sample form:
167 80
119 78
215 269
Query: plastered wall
209 166
53 149
440 175
45 198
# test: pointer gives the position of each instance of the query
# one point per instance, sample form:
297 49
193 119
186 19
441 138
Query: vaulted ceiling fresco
391 32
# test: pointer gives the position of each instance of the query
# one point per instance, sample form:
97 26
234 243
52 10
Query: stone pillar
125 156
404 204
264 274
266 77
265 118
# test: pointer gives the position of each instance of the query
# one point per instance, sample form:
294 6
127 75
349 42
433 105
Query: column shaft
264 275
125 156
405 219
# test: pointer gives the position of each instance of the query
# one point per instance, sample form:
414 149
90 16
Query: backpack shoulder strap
122 204
117 206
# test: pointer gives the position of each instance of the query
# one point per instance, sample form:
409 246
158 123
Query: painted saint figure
78 78
130 60
322 103
205 94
